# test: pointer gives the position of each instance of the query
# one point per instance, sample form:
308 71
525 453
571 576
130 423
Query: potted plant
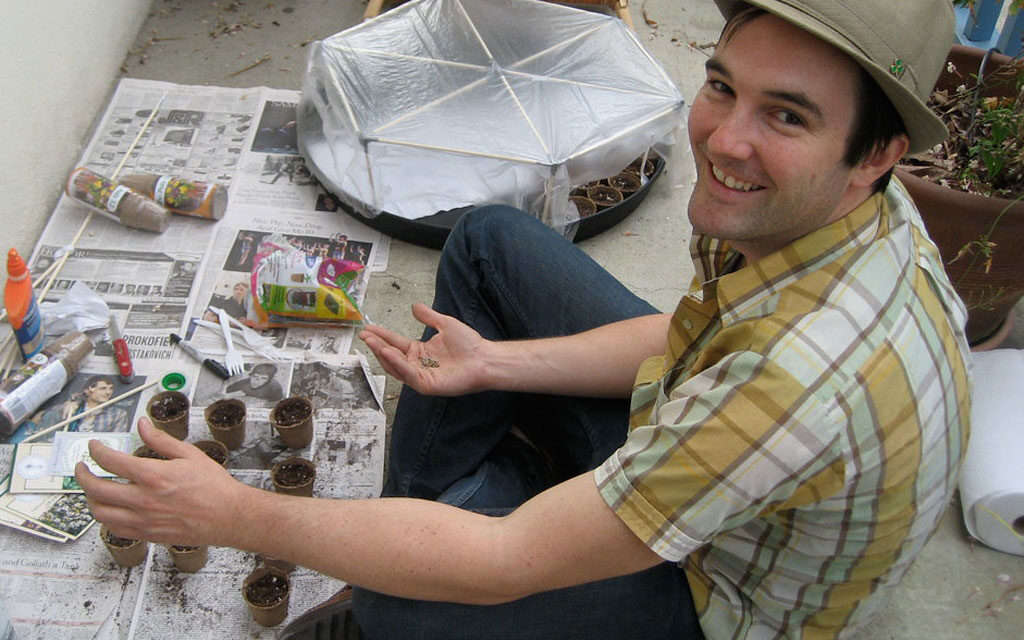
969 188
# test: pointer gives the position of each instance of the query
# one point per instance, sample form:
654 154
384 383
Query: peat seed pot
126 551
604 196
584 205
169 412
226 421
189 558
292 418
266 592
216 450
294 476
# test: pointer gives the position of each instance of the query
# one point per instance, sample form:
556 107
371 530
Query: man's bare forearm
431 551
601 362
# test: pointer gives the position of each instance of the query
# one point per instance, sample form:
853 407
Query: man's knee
490 226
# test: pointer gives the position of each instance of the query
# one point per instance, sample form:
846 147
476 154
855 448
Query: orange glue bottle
22 308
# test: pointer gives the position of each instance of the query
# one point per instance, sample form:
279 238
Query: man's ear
880 160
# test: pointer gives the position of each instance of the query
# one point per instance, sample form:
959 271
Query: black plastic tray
431 231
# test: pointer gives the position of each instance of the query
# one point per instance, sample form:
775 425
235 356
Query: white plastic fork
232 359
251 336
259 344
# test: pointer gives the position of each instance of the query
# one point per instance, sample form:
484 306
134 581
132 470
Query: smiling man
793 431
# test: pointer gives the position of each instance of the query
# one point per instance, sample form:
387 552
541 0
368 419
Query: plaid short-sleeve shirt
797 445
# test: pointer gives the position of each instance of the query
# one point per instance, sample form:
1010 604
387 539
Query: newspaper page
56 577
44 579
243 139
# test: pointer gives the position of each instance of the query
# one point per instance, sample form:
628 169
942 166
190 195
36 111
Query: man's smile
733 183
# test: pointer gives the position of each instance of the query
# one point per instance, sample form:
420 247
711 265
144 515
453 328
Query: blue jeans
510 277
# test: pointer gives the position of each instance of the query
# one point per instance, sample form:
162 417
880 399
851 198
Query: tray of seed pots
597 214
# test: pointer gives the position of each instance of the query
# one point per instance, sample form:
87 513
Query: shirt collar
737 289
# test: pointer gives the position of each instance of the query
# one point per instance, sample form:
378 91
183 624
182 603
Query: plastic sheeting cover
440 104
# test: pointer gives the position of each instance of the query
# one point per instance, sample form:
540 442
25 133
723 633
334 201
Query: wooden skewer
131 147
8 351
89 412
59 264
50 275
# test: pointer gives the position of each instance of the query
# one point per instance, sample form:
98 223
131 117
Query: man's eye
789 118
719 86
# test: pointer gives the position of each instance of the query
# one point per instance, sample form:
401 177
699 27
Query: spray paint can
180 195
22 307
41 378
126 205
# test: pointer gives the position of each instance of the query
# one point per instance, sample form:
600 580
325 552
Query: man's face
99 392
768 130
258 379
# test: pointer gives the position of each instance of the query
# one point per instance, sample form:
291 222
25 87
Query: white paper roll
992 478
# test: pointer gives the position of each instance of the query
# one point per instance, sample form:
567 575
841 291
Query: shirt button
687 324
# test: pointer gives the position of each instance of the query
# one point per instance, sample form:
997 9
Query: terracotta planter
955 219
226 422
126 552
169 412
266 591
292 418
189 558
294 476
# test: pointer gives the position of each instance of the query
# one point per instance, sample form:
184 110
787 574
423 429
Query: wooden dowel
59 264
8 351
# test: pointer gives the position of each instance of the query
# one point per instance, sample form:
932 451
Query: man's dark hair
264 369
97 379
876 122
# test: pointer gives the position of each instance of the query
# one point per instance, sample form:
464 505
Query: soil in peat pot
226 415
291 411
266 591
169 407
293 475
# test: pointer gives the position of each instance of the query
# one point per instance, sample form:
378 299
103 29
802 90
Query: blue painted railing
976 27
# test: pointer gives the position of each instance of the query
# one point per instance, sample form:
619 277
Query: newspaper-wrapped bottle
41 378
180 195
131 208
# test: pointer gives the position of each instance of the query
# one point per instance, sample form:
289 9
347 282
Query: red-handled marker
122 356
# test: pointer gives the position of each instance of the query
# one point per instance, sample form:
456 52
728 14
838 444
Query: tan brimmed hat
903 44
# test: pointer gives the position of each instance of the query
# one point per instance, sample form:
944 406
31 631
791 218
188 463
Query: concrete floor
945 594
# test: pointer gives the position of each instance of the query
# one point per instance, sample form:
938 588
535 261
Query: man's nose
733 136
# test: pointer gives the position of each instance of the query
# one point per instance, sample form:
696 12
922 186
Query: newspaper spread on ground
153 282
56 577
